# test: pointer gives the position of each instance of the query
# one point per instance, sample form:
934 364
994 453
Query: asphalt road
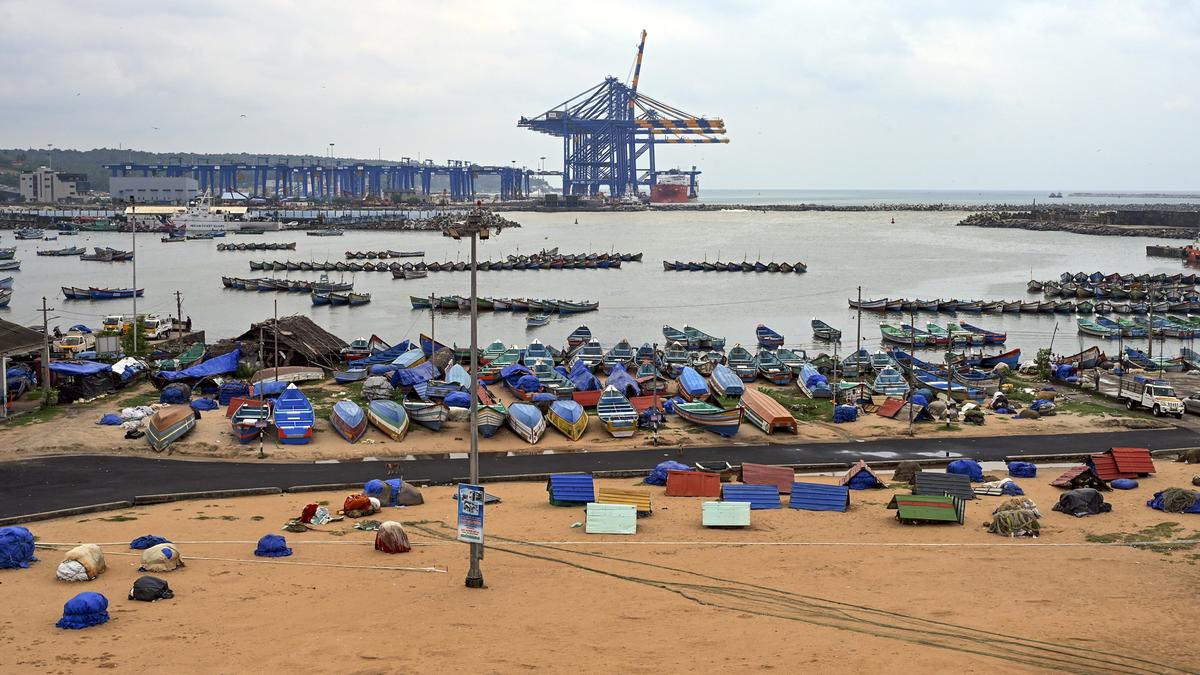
50 483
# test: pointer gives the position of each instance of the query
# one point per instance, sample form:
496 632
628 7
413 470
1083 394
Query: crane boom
637 71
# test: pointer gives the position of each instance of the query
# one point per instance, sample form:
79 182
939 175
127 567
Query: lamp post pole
133 236
476 228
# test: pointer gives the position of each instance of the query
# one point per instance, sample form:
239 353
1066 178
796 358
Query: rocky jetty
1081 223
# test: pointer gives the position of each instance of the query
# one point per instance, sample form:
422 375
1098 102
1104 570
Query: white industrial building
154 189
45 186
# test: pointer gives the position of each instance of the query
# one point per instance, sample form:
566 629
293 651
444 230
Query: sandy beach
831 592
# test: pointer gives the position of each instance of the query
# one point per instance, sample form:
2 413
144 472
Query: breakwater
1157 224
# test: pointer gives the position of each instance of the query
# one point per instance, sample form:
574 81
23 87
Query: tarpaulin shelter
928 508
218 365
621 380
77 380
16 547
1082 502
861 477
83 611
658 476
17 340
149 589
300 340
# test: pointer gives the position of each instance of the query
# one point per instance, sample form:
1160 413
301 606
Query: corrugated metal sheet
861 465
640 499
725 514
1133 460
571 488
890 407
1105 466
759 496
1079 476
611 519
930 483
929 508
781 477
819 497
693 484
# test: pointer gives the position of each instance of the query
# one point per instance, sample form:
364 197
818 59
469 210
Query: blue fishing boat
889 382
348 420
321 298
742 363
568 417
674 359
294 417
250 419
429 414
351 375
113 293
621 354
936 382
727 387
989 337
491 413
410 358
698 339
527 421
813 383
767 338
691 385
674 335
590 354
617 413
771 368
389 417
717 420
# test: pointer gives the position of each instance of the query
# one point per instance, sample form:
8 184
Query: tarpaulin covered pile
16 547
219 365
659 475
620 379
84 610
1082 502
582 378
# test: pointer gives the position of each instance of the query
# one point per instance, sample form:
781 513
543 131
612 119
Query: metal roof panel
781 477
932 483
571 488
693 484
1133 460
819 497
759 496
637 498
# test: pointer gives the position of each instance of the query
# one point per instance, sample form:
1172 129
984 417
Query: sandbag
16 547
83 611
149 589
392 538
87 556
161 558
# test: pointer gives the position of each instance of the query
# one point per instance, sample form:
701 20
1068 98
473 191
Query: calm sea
921 255
956 197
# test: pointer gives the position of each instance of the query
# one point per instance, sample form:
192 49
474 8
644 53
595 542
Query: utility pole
179 310
133 230
432 323
45 352
275 356
858 342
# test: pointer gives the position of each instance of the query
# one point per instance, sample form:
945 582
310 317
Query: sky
911 95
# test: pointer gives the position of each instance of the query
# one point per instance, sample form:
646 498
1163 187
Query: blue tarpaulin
272 546
659 475
845 413
204 404
1157 503
582 378
147 541
84 610
225 363
110 420
457 399
1022 469
232 390
407 377
513 374
79 367
16 547
620 379
967 467
177 392
269 388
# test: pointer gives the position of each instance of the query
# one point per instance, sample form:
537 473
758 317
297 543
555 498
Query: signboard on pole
470 513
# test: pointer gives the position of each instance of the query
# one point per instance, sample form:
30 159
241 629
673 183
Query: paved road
29 486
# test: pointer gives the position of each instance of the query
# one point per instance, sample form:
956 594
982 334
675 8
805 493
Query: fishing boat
1089 358
579 336
491 413
350 375
250 419
572 307
1094 329
113 293
889 382
692 385
536 353
742 363
568 417
989 337
675 358
727 387
1138 359
766 413
191 355
527 421
962 336
710 417
939 385
649 379
943 337
294 417
617 413
870 305
823 331
348 420
69 251
287 374
428 414
673 335
896 335
534 320
169 424
357 299
389 417
792 358
771 368
767 338
698 339
29 233
621 354
8 252
812 383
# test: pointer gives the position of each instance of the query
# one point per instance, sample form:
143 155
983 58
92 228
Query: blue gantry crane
609 133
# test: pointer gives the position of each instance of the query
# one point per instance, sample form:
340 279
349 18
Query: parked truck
1158 396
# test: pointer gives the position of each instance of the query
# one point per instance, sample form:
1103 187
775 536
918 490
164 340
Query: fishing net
1178 500
906 472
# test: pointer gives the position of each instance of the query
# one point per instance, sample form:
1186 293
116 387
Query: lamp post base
475 581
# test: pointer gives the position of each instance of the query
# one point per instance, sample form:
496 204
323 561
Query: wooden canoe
168 425
766 413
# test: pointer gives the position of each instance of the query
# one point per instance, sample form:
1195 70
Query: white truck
156 327
1156 395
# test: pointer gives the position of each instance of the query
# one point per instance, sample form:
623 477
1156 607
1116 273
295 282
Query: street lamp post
133 230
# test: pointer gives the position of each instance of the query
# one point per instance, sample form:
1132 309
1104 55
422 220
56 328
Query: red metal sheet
641 403
1105 467
763 474
1069 475
890 408
693 484
587 399
1133 460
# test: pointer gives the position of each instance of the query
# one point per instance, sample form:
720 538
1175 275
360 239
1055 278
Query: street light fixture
475 228
133 230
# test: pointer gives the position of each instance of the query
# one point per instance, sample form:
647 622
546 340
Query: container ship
671 188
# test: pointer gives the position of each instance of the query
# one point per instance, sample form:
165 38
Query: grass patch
117 519
139 399
941 426
34 417
802 408
204 517
256 518
1088 408
1161 532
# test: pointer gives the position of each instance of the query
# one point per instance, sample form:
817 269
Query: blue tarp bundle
1124 484
225 363
379 490
1022 469
270 388
457 399
620 379
272 546
845 413
79 367
381 369
204 404
147 540
110 420
175 393
1065 372
1041 404
232 390
513 373
582 378
669 405
967 467
864 480
816 379
528 384
84 610
81 328
543 397
1157 503
408 377
659 475
16 547
1011 489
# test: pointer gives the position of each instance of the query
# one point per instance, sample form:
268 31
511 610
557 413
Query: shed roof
933 483
759 496
1079 476
637 498
781 477
17 339
819 497
861 465
1133 460
301 336
1105 467
571 488
929 508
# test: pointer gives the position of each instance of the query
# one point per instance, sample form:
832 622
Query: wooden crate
611 519
725 514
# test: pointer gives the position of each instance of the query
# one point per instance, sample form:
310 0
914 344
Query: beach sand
674 597
75 431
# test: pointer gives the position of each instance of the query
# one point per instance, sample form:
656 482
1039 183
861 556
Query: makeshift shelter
725 514
928 508
17 340
78 380
1082 502
301 342
16 547
146 541
861 477
82 563
933 483
620 379
149 589
83 611
582 378
759 496
1079 477
610 519
966 467
571 489
819 497
161 558
392 538
1176 500
217 365
1117 463
998 488
272 546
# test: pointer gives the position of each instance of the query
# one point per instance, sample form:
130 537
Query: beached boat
989 337
897 335
617 413
813 383
742 363
348 420
389 417
428 414
692 385
621 354
568 417
1091 357
649 379
1094 329
527 421
674 359
823 331
767 338
766 413
191 355
710 417
1138 359
287 374
491 413
698 339
771 368
579 336
889 382
169 424
294 417
250 420
727 387
939 385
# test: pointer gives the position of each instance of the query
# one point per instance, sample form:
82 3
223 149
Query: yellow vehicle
114 323
74 342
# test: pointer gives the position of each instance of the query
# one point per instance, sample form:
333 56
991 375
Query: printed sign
470 513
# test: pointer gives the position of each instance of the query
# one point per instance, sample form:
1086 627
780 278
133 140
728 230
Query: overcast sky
1087 95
